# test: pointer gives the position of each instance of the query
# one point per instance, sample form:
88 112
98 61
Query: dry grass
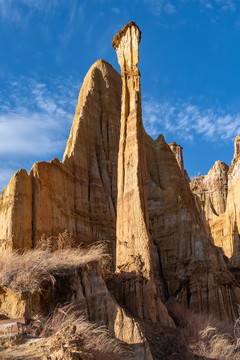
30 270
204 337
97 340
212 345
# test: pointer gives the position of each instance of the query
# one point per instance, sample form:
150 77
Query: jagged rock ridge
217 196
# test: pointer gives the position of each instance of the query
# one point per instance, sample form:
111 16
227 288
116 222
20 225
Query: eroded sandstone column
177 150
133 253
133 247
237 147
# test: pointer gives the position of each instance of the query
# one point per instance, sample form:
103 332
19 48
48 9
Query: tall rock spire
133 248
237 147
177 150
133 244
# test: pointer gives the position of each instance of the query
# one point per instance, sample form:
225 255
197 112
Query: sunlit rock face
16 213
217 195
167 244
177 150
236 148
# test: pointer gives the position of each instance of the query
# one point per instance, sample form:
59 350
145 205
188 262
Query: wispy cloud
223 5
76 15
116 10
187 121
159 7
17 10
169 8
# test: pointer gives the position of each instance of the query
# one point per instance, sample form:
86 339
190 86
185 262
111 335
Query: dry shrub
97 340
30 270
205 337
64 240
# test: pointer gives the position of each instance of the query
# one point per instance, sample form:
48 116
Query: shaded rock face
217 195
80 194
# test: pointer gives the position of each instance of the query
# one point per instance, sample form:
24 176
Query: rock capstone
177 150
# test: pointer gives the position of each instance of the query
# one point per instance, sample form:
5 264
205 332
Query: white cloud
186 121
35 120
30 133
34 117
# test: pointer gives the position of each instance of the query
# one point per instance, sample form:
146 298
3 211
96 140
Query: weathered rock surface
86 287
91 154
133 244
133 241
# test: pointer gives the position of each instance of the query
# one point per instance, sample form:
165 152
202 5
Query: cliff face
217 196
160 225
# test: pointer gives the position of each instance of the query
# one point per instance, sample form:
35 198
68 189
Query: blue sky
189 61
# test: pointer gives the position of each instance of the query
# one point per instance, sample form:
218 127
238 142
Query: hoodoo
218 196
177 150
132 212
236 147
133 247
